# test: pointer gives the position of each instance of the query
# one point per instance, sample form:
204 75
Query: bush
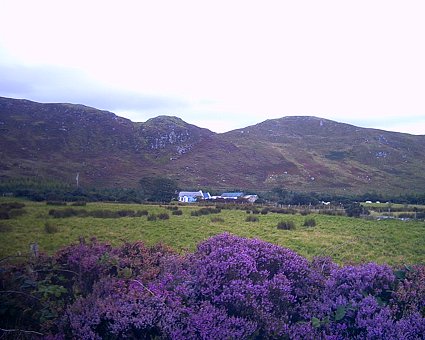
152 217
216 219
205 211
177 212
55 203
283 211
286 225
4 214
309 222
229 288
251 219
264 211
12 205
50 228
163 216
140 213
11 210
79 204
304 212
16 213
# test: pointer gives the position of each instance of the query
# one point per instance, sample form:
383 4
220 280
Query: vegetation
92 290
158 189
345 239
309 222
286 225
252 219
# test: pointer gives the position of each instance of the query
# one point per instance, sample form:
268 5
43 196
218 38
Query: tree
158 189
355 209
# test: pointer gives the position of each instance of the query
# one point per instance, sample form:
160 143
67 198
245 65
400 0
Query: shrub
283 211
163 216
216 219
12 205
286 225
304 212
140 213
177 212
229 288
309 222
11 210
4 214
125 213
16 213
79 204
205 211
50 228
55 203
251 219
264 211
152 217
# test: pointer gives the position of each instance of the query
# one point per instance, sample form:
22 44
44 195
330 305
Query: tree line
163 189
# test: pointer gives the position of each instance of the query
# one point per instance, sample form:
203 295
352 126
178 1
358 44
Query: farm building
193 196
251 198
232 195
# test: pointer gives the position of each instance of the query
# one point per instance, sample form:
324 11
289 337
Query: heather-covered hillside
57 141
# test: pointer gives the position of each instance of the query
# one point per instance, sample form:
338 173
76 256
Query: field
344 239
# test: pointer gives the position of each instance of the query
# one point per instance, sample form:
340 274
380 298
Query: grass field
346 240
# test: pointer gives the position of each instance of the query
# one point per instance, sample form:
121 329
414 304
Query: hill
298 153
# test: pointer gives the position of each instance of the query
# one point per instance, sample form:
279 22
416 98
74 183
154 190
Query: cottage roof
190 193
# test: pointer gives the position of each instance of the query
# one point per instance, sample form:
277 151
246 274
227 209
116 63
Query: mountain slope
336 156
298 153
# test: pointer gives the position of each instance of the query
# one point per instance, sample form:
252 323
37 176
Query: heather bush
152 218
205 211
252 219
11 210
286 225
140 213
216 219
309 222
13 213
12 205
163 216
229 288
264 211
79 204
283 211
59 203
177 212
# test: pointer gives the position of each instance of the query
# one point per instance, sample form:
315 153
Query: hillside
299 153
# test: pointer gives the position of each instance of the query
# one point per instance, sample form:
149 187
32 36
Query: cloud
61 84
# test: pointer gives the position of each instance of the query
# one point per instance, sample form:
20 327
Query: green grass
346 240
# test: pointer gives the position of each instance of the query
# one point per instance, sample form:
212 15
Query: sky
218 64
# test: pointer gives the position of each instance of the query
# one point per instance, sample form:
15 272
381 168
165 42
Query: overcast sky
221 64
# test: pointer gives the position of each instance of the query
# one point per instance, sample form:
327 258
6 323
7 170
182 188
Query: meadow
346 240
